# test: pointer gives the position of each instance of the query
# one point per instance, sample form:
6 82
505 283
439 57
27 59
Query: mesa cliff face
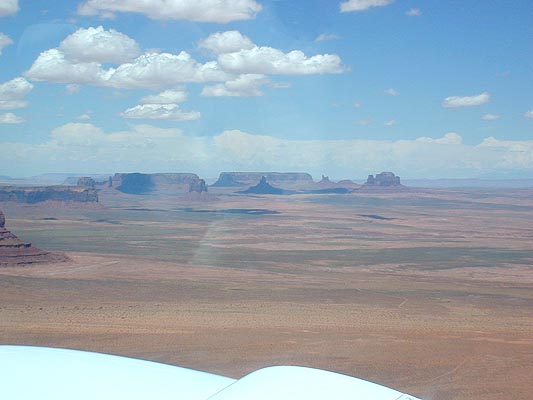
198 187
383 179
86 181
45 193
137 183
198 192
14 251
231 179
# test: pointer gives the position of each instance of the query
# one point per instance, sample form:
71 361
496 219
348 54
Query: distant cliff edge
22 194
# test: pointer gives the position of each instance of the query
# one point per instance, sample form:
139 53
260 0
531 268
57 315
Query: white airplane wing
59 374
300 383
44 373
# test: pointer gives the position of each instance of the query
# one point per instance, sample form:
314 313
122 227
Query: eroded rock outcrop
198 186
384 179
325 183
325 180
14 251
263 187
282 179
327 186
86 181
198 192
48 193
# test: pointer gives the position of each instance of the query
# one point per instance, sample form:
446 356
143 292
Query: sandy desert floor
430 292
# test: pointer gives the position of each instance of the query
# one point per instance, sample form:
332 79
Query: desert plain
426 291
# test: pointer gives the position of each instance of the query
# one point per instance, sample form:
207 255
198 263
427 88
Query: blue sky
428 89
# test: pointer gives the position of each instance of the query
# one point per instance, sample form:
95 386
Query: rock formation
263 187
86 181
198 186
31 195
384 179
14 251
99 180
198 192
137 183
134 183
326 186
325 183
282 179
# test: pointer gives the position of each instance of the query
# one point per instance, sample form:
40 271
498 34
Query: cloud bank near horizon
76 147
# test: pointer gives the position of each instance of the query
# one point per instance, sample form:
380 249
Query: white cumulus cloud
243 85
78 134
162 106
13 92
490 117
171 96
12 104
414 12
326 36
221 11
267 60
83 146
99 45
10 118
4 41
148 71
528 114
391 92
160 112
448 138
80 59
15 89
238 54
362 5
155 70
53 66
8 7
427 156
226 42
516 154
72 88
84 117
466 101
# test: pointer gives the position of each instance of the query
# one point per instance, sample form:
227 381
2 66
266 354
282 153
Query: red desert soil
429 292
435 337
